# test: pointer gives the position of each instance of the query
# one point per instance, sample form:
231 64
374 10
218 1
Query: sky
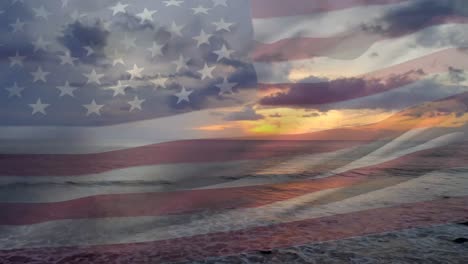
101 69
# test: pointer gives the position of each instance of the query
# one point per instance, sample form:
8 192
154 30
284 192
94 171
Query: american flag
170 131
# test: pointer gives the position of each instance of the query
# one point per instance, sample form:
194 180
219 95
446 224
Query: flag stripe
415 69
393 150
343 46
169 177
321 228
164 153
151 204
410 95
98 139
173 177
322 25
277 8
389 53
449 183
154 204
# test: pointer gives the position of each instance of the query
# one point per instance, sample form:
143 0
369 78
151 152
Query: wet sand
436 244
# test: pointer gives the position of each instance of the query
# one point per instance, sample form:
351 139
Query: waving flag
181 131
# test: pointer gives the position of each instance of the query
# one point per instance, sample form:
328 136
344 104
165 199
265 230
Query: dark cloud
413 94
456 75
130 22
248 113
303 94
78 35
312 115
276 115
416 15
454 105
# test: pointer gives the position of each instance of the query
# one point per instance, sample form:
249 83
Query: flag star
15 90
183 95
67 59
129 42
203 38
146 15
223 25
181 63
89 50
64 3
135 103
225 86
39 107
155 49
135 72
117 59
17 26
40 44
160 82
66 89
93 108
118 89
219 3
223 53
16 60
175 29
93 77
200 10
206 72
118 8
40 75
41 12
173 3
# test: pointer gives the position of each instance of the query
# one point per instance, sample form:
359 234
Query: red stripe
436 62
349 45
269 237
373 83
343 46
190 151
153 204
277 8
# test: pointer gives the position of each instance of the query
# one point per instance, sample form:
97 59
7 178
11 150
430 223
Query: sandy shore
436 244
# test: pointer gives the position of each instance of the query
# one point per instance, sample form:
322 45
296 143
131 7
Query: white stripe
321 25
145 229
81 140
158 178
396 148
390 52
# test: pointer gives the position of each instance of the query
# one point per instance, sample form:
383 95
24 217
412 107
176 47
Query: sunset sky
364 69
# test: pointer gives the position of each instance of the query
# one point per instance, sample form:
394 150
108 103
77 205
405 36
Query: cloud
246 114
78 35
312 115
456 75
304 94
130 22
276 115
416 15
